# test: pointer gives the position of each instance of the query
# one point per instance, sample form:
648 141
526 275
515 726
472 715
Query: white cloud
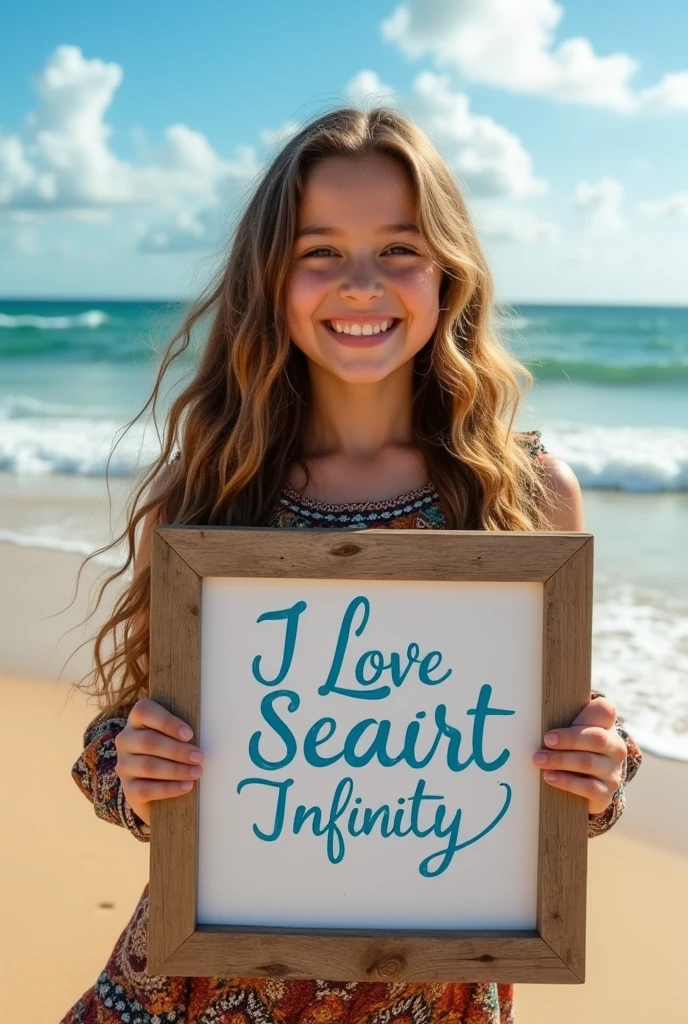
514 224
366 89
33 216
273 139
671 93
598 206
673 207
487 158
512 45
64 165
17 175
490 161
184 233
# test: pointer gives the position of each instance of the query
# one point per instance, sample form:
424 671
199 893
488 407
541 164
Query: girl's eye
325 249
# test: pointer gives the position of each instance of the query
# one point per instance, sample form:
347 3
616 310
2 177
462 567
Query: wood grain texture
347 955
174 683
555 952
373 554
563 842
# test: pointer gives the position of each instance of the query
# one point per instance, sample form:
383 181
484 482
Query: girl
350 378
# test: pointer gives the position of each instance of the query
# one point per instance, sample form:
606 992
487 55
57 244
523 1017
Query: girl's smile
361 335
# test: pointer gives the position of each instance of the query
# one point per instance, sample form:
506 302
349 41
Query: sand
70 882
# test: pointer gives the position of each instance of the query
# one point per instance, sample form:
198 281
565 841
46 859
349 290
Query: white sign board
368 753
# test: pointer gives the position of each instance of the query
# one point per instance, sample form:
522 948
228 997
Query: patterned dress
125 993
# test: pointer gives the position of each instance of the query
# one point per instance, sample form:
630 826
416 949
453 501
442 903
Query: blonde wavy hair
237 424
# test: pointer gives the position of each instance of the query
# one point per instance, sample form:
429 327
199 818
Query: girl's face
359 264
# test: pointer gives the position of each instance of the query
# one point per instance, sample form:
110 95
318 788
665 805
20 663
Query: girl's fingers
144 791
592 738
142 767
598 711
148 714
594 790
148 741
582 762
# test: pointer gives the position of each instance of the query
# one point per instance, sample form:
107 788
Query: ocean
610 397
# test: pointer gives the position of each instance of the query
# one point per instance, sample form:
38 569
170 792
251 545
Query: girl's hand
586 758
154 762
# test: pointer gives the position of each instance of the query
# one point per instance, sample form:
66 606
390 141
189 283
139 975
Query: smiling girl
350 377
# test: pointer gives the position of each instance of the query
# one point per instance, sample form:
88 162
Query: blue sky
128 135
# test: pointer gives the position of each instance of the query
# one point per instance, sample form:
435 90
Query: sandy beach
69 882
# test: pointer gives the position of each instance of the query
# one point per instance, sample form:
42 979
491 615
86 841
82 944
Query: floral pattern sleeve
600 823
95 775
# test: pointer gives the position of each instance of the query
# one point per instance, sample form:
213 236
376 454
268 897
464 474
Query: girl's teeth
358 329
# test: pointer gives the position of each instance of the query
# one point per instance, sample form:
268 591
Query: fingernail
540 758
196 756
550 776
194 772
185 732
186 786
551 739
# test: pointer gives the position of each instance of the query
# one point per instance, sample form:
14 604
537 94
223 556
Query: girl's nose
361 282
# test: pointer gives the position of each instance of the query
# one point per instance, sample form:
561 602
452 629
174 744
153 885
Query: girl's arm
602 822
94 774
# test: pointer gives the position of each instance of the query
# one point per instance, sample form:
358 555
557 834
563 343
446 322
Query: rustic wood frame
554 951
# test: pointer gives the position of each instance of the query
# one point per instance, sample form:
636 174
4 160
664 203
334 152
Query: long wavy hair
232 433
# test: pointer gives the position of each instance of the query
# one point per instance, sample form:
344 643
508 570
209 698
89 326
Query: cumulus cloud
274 138
64 165
184 233
490 161
365 89
512 46
672 207
598 206
487 158
514 224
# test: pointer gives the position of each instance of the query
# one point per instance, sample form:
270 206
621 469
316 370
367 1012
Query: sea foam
90 318
37 438
640 459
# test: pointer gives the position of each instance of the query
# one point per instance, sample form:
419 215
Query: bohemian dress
125 993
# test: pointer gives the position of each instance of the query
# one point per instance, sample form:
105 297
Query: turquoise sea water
610 397
611 391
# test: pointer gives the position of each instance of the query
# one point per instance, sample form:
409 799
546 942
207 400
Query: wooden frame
554 951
